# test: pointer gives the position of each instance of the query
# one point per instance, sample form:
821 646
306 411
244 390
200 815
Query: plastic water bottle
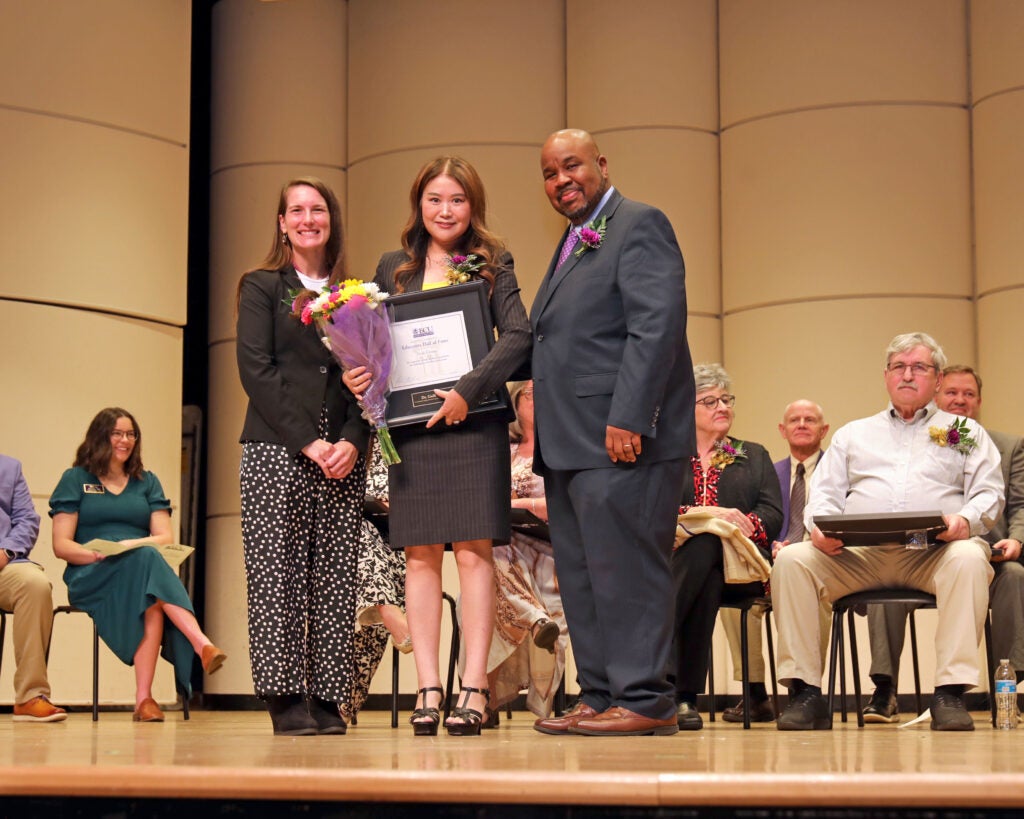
1006 696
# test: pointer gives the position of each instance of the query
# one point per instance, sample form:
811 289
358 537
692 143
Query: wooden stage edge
233 756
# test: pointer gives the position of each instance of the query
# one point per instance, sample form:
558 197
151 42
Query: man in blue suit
26 591
613 403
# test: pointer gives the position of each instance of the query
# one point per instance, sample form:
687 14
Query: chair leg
453 655
855 664
745 668
95 673
711 684
771 660
3 635
917 665
991 664
394 686
842 671
834 663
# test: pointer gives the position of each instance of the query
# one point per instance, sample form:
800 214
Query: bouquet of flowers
354 327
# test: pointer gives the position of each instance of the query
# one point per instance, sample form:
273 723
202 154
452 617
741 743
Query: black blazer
511 349
609 330
287 372
749 484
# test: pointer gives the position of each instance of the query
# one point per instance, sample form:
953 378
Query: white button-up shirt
885 464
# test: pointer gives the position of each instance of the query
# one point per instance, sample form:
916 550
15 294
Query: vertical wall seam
721 210
972 198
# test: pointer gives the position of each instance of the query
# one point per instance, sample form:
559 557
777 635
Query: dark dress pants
612 531
700 587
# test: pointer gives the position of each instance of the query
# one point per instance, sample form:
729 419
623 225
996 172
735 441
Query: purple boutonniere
726 453
461 268
591 235
957 436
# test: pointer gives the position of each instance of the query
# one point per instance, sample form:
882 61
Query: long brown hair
477 239
280 254
95 451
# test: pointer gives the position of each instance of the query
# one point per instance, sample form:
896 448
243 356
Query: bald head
575 173
803 427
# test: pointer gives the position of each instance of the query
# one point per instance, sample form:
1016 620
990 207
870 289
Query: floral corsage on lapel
957 436
591 235
727 453
461 268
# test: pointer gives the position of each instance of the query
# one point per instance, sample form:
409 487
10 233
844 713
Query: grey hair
908 341
709 376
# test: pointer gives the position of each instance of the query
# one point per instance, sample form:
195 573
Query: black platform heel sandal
425 720
471 718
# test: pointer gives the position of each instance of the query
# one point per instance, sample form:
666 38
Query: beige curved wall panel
117 63
457 73
517 208
677 172
793 54
243 207
278 83
227 623
704 336
632 65
837 202
999 360
997 59
92 361
223 449
832 352
998 182
121 203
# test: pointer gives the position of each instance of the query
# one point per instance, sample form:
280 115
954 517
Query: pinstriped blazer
512 348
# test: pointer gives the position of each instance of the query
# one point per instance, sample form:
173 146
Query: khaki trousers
731 625
958 574
25 590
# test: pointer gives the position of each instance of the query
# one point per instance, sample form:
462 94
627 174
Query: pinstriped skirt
451 485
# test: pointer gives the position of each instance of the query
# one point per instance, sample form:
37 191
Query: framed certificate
913 529
437 336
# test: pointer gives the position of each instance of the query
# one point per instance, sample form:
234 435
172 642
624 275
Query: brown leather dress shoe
759 712
621 722
148 711
212 658
562 724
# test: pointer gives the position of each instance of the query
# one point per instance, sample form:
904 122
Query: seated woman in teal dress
107 495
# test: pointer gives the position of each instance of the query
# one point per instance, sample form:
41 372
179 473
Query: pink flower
307 313
953 436
355 301
590 237
458 259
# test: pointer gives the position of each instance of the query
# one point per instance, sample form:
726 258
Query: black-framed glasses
128 436
917 368
711 401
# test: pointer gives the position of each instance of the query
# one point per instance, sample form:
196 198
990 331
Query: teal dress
117 591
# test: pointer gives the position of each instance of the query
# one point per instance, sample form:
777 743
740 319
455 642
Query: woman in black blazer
301 475
453 484
733 480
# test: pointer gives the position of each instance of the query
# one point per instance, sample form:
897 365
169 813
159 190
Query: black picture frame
881 530
416 405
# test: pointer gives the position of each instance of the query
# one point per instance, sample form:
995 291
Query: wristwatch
11 554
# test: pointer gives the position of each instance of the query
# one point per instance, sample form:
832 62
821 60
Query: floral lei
461 268
725 453
957 436
591 235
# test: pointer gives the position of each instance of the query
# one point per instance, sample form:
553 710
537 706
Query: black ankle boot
290 716
326 716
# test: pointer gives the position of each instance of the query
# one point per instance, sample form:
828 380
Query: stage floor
232 755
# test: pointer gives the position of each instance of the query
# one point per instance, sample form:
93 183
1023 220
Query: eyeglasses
917 368
117 434
711 402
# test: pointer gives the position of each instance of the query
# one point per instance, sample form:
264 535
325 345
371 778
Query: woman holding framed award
454 482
